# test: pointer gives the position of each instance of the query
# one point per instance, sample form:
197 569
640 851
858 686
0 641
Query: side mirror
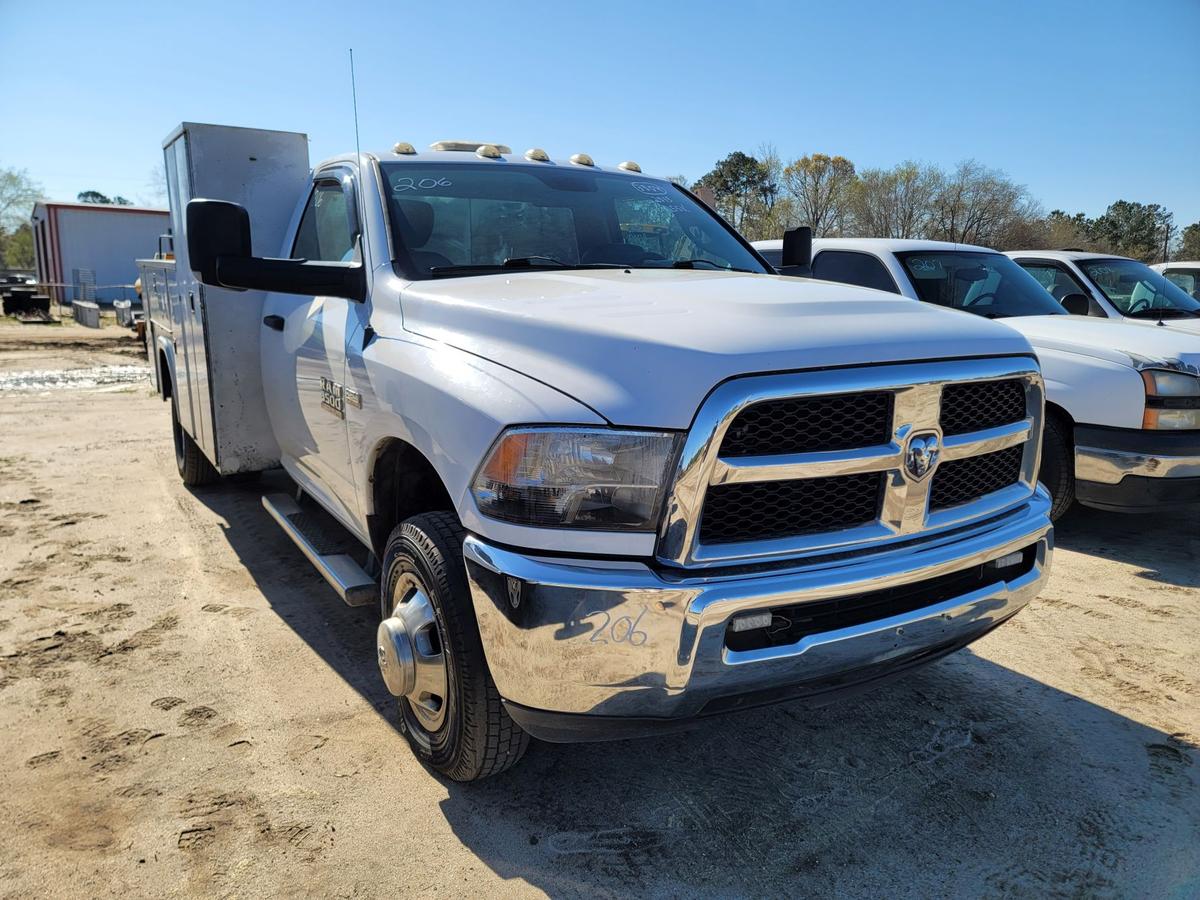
219 253
215 229
1077 304
797 248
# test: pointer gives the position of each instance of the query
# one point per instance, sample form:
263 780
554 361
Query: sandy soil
186 708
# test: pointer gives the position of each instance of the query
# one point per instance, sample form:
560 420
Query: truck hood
1188 326
644 347
1111 340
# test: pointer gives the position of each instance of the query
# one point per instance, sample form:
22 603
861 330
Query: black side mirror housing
797 248
219 253
1077 304
215 229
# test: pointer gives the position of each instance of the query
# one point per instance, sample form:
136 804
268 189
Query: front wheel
432 658
1058 466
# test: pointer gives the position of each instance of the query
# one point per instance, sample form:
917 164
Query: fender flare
165 349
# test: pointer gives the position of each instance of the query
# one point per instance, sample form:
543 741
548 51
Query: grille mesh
808 424
977 405
961 480
772 509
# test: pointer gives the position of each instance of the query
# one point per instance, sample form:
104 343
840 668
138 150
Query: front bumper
627 641
1130 470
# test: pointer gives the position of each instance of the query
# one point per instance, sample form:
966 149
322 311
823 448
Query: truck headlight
576 478
1172 400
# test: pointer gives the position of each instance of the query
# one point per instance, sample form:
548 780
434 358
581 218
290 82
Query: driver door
304 351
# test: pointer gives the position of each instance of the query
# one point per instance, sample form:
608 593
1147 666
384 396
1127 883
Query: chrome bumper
1110 466
622 639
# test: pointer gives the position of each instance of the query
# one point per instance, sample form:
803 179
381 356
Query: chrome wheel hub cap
411 658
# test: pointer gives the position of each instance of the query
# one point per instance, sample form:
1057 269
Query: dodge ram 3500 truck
602 471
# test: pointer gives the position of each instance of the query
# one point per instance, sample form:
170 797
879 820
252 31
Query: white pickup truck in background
1115 287
1122 401
604 472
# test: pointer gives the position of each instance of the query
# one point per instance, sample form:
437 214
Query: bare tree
977 205
773 211
18 193
820 186
894 203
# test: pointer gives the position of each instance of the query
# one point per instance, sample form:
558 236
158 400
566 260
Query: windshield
984 283
1137 291
465 219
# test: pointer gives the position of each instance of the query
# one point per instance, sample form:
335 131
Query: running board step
344 575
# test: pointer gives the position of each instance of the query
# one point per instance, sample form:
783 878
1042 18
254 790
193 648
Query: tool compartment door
191 355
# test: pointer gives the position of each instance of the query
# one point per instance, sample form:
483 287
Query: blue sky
1083 102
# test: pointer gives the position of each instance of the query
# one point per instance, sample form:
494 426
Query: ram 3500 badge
606 474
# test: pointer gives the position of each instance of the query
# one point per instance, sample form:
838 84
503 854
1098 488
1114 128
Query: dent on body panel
448 404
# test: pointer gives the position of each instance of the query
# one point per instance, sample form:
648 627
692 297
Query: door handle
275 322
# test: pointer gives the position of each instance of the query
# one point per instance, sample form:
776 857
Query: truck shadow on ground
1165 547
965 778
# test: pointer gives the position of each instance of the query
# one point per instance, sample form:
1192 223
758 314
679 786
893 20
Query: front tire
453 717
194 467
1058 466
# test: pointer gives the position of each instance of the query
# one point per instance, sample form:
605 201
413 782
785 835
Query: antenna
354 100
362 209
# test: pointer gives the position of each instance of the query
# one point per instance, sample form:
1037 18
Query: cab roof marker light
488 151
582 159
404 148
537 154
468 146
629 166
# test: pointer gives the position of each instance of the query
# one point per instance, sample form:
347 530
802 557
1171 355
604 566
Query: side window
774 257
1057 281
1184 279
325 233
850 267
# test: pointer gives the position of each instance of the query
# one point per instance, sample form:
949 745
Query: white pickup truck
1112 287
604 473
1122 401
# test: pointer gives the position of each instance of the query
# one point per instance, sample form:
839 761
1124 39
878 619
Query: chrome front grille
770 509
805 424
963 480
843 468
978 405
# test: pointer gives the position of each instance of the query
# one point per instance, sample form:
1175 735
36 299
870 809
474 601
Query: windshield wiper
1165 312
692 263
549 262
518 262
529 262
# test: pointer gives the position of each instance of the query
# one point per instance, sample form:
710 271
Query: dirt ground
186 708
